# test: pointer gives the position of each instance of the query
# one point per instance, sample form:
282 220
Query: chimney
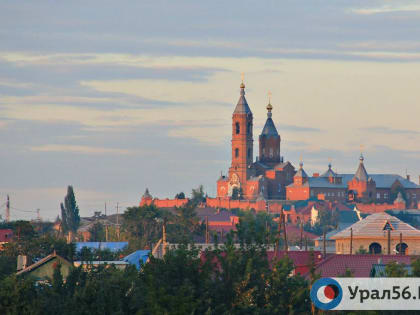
21 262
408 177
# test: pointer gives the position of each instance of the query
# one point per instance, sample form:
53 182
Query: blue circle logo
326 293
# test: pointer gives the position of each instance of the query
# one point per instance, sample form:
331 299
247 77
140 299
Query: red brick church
270 180
268 176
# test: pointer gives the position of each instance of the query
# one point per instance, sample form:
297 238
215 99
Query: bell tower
242 143
269 140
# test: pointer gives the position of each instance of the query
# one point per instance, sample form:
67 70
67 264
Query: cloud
388 130
299 128
390 8
80 149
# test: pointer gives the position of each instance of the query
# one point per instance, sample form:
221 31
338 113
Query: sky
116 96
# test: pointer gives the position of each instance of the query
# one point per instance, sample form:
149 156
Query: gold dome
269 107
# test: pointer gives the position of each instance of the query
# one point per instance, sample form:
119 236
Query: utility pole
207 229
351 241
118 223
105 208
8 209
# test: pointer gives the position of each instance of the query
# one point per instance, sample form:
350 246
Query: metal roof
361 173
269 128
242 106
112 246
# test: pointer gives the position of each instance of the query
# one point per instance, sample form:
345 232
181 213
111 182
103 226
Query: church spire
242 106
361 173
269 127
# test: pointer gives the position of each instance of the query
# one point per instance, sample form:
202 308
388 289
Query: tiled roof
373 226
299 258
359 265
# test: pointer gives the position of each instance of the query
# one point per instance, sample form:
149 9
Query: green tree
70 212
197 196
97 232
394 269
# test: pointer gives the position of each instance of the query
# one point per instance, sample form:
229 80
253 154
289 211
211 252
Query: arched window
236 152
237 128
404 247
375 248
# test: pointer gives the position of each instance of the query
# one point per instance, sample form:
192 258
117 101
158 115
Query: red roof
360 265
299 258
6 235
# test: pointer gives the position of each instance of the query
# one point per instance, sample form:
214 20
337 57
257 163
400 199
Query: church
269 177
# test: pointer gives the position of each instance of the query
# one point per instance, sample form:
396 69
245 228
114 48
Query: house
43 269
379 233
6 236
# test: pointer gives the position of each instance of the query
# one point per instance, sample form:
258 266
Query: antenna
105 208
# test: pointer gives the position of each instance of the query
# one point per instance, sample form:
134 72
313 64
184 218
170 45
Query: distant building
43 270
6 235
371 234
271 182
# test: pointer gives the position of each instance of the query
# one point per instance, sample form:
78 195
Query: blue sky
113 97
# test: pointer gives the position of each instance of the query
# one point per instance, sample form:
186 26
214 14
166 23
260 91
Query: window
414 196
249 153
237 127
378 195
236 152
385 195
249 128
279 189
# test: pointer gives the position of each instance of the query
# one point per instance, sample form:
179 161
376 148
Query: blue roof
381 180
112 246
136 257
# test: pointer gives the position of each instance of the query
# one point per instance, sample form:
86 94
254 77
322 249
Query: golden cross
362 147
242 77
269 97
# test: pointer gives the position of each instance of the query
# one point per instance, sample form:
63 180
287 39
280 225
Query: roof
269 128
293 232
329 172
242 106
373 226
137 256
299 258
6 235
112 246
381 181
41 262
301 172
361 173
147 194
359 264
378 270
348 216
